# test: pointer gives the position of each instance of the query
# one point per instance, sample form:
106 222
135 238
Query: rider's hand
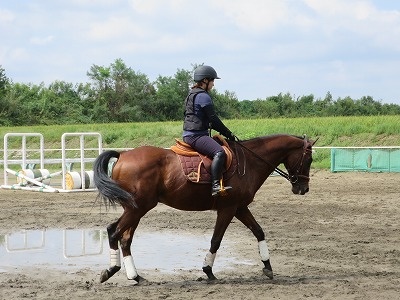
230 136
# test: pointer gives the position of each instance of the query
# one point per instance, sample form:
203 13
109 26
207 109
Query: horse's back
145 167
145 158
143 152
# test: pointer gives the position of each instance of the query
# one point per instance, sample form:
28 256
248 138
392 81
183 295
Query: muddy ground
340 241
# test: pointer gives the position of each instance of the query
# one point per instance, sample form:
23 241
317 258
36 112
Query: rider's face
210 84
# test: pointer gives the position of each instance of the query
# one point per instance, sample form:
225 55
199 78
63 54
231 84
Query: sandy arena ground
340 241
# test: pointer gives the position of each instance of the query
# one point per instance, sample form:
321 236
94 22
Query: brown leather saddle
197 167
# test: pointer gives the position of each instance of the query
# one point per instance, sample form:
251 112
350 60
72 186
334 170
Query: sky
260 48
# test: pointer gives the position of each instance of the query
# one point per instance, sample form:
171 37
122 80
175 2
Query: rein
287 176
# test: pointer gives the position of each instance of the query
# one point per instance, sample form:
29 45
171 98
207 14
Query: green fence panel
365 159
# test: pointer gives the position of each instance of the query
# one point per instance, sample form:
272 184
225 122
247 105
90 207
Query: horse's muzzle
300 189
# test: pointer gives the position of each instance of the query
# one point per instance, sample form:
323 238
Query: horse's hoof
104 276
133 282
140 279
209 273
268 273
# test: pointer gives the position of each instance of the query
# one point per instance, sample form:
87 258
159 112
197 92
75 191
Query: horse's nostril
303 190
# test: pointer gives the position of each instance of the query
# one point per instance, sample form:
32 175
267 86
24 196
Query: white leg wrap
209 259
130 269
263 248
115 258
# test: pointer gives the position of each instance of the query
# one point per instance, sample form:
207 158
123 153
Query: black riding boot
216 174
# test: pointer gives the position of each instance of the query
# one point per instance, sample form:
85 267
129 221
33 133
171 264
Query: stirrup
223 191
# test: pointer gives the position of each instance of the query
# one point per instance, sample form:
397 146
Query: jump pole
36 182
41 178
52 175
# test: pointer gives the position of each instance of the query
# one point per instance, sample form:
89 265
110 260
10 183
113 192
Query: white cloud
18 54
276 45
145 6
254 15
42 40
116 28
359 18
150 7
6 16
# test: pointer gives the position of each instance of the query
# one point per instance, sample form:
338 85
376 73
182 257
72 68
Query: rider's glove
230 136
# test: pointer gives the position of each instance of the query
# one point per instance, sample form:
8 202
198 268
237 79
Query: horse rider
200 118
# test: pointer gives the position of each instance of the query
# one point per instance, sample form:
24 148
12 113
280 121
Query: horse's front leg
246 217
224 217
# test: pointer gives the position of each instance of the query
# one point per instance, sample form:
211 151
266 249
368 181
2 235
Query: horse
144 176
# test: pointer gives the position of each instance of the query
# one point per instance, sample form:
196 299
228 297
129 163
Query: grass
331 131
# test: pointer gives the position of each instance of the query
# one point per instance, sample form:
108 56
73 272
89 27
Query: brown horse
144 176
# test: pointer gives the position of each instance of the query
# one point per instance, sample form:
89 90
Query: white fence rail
32 153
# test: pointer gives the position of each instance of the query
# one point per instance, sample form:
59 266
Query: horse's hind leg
127 226
115 258
126 241
121 231
246 217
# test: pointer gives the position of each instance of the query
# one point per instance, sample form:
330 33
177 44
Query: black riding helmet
203 72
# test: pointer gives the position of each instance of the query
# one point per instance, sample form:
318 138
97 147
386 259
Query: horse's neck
264 156
267 147
275 143
269 152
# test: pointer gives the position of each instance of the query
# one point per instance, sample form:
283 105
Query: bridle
291 177
299 165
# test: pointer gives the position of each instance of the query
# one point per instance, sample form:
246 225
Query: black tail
109 190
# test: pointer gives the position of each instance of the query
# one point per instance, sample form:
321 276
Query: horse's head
298 164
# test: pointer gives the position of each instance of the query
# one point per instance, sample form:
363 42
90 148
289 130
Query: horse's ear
313 143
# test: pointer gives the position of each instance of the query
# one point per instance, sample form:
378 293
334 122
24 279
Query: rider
200 118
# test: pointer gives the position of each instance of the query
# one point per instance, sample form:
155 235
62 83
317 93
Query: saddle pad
194 169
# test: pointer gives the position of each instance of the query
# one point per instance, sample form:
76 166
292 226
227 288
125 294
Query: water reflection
74 249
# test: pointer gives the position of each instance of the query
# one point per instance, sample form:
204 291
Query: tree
62 104
246 109
120 93
4 106
305 106
322 106
345 107
368 106
4 81
284 103
266 108
171 94
227 104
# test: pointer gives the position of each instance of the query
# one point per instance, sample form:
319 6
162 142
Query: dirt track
340 241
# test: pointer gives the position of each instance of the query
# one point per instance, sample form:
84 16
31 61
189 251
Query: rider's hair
199 84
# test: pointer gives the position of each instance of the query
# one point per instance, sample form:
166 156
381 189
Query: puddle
74 249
